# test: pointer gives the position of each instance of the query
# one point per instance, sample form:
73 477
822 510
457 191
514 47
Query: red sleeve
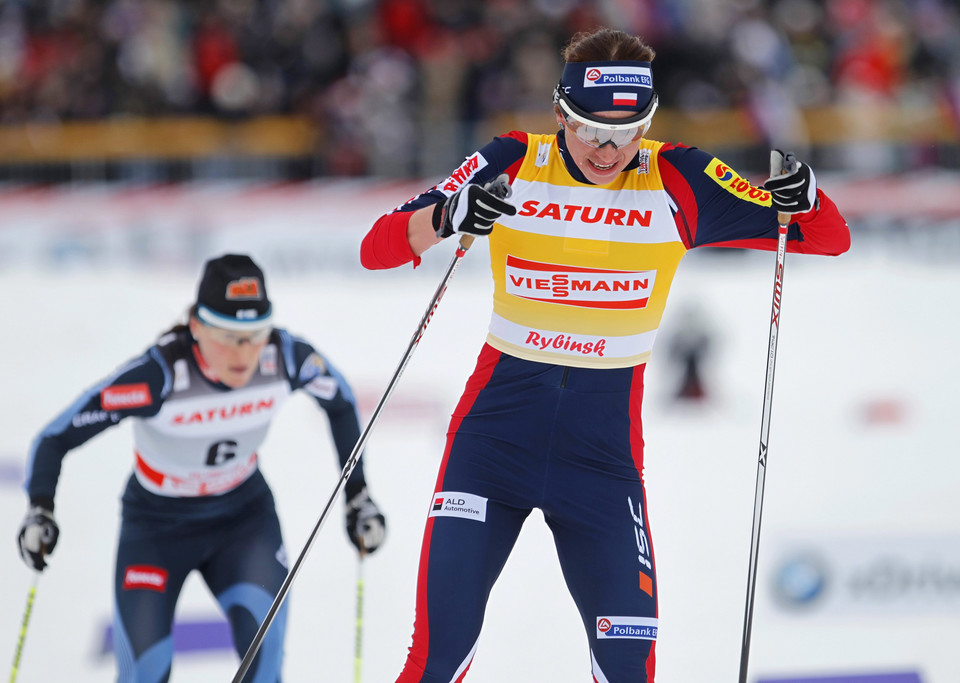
386 245
824 230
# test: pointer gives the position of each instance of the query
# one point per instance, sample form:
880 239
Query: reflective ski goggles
233 338
597 132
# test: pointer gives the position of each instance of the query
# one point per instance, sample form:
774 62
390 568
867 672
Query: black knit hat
233 294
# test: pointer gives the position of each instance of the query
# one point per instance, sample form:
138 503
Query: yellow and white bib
581 273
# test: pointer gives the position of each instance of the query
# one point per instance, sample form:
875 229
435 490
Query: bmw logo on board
800 581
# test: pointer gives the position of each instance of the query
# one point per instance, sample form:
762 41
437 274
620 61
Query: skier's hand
38 536
366 525
473 209
796 190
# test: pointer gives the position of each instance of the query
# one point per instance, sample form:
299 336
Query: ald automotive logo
459 504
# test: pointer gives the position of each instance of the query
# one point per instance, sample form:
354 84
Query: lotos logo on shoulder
618 75
467 170
633 628
732 182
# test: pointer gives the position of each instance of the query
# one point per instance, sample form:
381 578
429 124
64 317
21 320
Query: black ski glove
366 525
796 190
473 209
38 536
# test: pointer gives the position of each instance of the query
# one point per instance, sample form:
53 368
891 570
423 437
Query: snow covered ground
860 567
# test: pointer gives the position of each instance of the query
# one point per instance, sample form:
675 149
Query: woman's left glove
38 536
366 525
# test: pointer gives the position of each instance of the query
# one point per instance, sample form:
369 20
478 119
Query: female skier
586 229
202 399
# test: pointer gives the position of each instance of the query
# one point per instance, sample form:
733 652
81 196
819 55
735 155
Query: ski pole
358 631
465 242
23 627
776 168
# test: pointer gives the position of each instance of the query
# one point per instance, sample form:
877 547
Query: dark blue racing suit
550 417
196 499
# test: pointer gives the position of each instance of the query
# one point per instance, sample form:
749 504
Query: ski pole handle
777 168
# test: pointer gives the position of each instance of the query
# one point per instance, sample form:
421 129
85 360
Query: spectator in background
445 70
688 347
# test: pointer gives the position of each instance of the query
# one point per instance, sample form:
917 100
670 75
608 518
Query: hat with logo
608 86
588 87
232 294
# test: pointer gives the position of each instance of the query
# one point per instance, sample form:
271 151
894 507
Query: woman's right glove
38 536
795 191
473 209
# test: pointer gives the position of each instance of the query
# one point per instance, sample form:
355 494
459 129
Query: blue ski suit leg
237 547
568 441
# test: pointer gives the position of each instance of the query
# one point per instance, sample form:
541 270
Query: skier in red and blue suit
586 229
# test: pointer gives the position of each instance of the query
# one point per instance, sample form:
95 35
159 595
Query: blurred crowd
390 83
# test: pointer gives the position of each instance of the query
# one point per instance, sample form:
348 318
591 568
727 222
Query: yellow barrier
285 136
166 138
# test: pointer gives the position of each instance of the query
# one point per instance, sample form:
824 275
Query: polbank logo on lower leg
637 628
